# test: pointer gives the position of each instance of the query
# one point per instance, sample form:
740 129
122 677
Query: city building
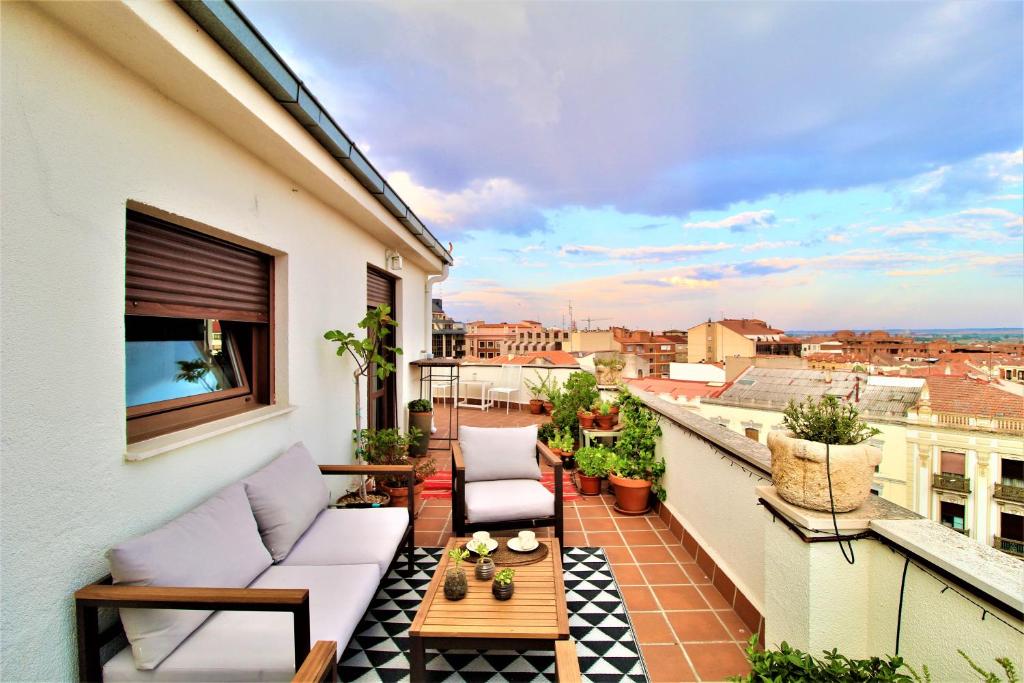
656 351
489 340
542 339
713 342
543 358
448 337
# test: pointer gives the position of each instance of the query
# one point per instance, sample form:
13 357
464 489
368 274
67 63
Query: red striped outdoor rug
440 485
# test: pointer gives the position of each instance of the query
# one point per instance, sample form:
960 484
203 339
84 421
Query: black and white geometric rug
598 622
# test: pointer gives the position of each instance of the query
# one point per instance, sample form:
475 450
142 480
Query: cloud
645 253
922 272
978 224
765 246
838 238
739 222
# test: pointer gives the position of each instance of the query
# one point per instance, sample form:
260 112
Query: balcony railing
951 482
1010 546
965 532
1009 492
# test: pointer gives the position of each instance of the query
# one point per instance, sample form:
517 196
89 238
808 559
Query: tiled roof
748 326
676 387
969 396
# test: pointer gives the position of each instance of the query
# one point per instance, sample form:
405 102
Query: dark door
381 408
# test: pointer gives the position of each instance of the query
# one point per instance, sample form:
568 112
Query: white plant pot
798 472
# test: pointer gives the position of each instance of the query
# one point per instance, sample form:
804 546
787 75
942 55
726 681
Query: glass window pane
168 358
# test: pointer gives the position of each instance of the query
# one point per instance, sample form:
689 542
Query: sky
815 165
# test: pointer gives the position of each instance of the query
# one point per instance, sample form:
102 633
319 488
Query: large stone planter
798 472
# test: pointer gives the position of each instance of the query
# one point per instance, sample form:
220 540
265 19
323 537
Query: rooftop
969 396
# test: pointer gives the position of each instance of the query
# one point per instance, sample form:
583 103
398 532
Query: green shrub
546 432
594 461
578 393
794 666
634 451
829 421
420 405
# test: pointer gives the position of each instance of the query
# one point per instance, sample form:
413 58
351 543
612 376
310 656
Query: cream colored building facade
712 342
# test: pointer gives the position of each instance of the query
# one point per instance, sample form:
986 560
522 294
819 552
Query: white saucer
513 544
492 544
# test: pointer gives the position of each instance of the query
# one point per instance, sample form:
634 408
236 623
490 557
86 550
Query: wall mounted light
393 260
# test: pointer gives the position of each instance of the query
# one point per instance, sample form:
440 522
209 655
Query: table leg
417 660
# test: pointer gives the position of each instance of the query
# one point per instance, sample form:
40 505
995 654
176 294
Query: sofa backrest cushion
286 496
492 454
214 545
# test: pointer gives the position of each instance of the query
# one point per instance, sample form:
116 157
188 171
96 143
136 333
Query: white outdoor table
468 396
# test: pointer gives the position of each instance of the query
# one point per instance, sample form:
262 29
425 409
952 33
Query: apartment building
448 337
488 340
713 342
529 340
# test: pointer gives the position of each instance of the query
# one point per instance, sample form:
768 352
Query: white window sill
166 443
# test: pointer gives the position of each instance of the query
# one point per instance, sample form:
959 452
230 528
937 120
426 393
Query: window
752 433
953 463
382 394
952 515
197 328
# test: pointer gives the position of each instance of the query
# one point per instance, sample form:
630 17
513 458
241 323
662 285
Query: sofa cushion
215 544
499 453
510 499
286 496
257 646
351 537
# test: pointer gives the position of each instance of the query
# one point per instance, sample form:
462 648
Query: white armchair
509 384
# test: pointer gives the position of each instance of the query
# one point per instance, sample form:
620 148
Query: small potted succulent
586 419
823 440
455 584
421 413
484 565
502 587
563 444
604 417
593 463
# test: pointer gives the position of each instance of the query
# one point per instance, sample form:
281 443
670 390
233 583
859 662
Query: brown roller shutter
173 272
379 290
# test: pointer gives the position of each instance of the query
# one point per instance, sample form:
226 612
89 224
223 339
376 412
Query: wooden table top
537 609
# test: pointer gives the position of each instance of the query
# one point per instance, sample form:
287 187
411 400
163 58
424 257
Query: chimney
828 376
856 390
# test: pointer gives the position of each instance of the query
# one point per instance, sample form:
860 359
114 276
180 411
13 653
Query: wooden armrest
179 597
567 664
364 469
460 464
547 455
321 665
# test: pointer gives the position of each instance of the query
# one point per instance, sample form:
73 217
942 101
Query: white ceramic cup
481 537
527 539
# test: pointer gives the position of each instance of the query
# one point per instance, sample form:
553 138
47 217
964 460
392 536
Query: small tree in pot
821 461
538 391
635 470
421 414
593 463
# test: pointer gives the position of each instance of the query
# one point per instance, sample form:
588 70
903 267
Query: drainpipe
428 291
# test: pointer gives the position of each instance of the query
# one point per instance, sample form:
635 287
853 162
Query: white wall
696 372
81 137
493 374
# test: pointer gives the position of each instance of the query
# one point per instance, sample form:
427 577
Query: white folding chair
508 385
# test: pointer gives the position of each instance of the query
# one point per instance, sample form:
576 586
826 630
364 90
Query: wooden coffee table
535 618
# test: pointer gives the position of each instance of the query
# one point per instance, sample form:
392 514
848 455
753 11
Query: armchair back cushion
214 545
286 496
492 454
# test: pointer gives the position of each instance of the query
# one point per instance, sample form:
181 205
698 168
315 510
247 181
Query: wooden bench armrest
548 456
179 597
365 469
321 666
567 664
459 463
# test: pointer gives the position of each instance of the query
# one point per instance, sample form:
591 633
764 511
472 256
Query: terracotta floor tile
667 537
598 524
697 626
589 511
573 524
437 503
651 627
713 597
575 539
642 538
666 664
717 661
633 523
427 539
589 501
696 574
680 597
657 523
679 552
619 554
663 574
639 599
431 523
628 575
652 553
734 625
428 512
605 538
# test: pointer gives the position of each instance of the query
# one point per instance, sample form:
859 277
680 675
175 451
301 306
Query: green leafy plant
605 408
420 405
391 447
794 666
613 363
634 451
578 393
828 421
505 576
594 461
563 441
371 352
482 550
1009 670
547 431
457 555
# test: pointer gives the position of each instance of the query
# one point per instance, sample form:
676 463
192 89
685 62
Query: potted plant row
391 447
592 465
636 471
456 584
543 393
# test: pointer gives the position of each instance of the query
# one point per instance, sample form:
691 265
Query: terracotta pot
549 407
536 406
400 495
587 422
800 477
420 421
589 486
604 421
632 496
615 410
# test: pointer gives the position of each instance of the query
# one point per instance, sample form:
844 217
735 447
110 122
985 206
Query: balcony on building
948 481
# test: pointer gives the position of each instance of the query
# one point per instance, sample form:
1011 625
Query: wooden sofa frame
463 527
103 593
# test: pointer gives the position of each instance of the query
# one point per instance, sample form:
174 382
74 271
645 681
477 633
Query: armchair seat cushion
257 646
506 500
351 537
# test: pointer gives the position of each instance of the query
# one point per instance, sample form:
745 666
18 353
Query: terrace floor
687 630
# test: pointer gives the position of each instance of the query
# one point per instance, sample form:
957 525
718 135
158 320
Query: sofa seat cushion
257 646
493 453
351 537
286 496
215 544
511 499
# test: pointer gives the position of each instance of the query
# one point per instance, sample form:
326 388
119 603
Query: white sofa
319 568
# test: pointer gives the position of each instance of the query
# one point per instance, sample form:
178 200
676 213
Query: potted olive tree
592 464
820 461
421 414
635 470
